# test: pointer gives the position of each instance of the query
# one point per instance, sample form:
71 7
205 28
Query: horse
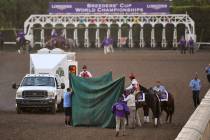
70 43
61 42
151 102
168 107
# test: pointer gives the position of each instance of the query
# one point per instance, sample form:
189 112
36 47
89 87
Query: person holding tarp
67 106
95 97
85 73
120 109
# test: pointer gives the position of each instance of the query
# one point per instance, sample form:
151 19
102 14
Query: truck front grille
34 94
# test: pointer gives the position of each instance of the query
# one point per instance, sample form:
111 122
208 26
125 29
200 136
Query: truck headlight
19 94
51 95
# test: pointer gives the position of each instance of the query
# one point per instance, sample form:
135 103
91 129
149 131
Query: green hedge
201 16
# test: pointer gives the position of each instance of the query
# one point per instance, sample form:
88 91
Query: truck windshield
38 81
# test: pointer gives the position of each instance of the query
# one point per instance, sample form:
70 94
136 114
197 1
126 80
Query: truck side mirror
14 86
62 85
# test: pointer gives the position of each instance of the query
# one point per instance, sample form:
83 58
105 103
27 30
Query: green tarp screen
93 98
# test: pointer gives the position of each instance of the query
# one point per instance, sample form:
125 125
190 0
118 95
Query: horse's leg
160 114
170 117
147 117
155 116
138 117
171 107
156 110
126 120
146 113
159 118
167 115
156 122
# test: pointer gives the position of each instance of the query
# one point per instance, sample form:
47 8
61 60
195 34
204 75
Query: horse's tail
171 106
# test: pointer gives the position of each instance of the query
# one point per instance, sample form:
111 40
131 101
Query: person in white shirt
130 99
163 94
134 82
85 73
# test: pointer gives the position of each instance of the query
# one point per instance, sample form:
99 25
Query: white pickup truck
49 75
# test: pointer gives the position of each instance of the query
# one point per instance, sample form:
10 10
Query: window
38 81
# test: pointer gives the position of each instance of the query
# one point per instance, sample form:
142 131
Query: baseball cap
134 82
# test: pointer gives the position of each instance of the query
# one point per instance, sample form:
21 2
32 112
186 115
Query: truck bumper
35 103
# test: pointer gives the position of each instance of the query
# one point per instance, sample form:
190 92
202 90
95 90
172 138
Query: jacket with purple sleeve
120 109
107 41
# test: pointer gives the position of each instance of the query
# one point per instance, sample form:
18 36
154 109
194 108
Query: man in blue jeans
195 85
67 106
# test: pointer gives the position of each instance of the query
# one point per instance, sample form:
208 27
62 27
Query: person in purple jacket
191 45
182 44
120 109
108 45
20 41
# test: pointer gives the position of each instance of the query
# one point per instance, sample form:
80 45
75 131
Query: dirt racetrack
168 66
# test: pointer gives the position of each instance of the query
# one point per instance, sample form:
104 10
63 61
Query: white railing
10 43
198 126
202 43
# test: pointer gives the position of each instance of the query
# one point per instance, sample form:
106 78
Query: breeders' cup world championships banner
108 8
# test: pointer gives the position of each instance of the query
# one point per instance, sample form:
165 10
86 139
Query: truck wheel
54 108
18 109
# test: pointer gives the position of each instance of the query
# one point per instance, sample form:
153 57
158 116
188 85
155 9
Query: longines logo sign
110 8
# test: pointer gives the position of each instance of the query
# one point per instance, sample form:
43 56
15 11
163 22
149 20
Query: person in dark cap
85 73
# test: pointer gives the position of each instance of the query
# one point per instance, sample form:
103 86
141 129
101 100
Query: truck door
59 90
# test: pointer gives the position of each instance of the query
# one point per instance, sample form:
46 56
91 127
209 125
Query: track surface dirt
169 66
